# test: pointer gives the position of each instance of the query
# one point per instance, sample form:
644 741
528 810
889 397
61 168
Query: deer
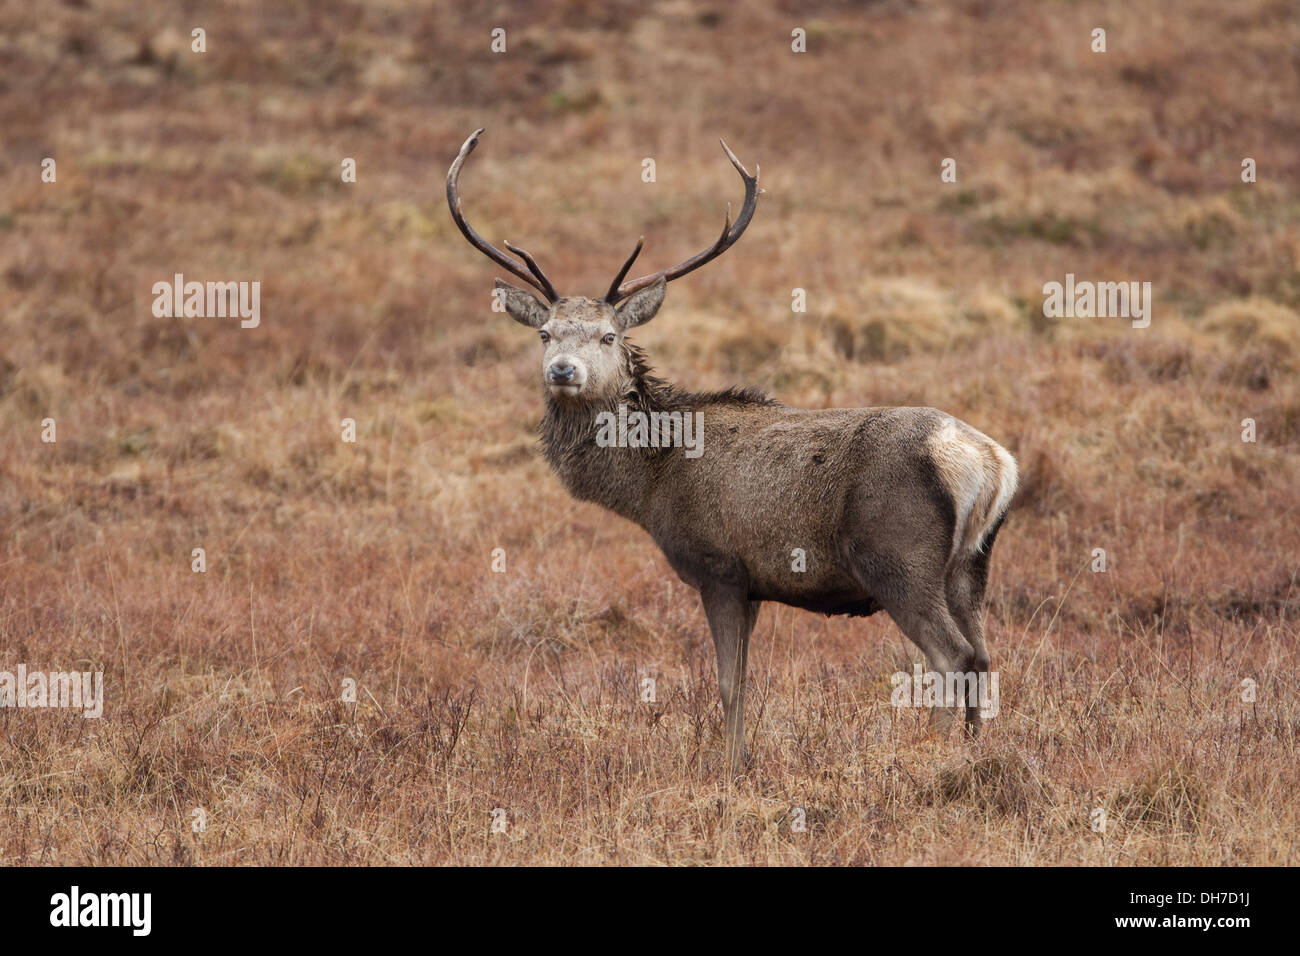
890 508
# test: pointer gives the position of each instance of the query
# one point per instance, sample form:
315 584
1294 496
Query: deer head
584 356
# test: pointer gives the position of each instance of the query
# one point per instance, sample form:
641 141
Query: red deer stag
892 508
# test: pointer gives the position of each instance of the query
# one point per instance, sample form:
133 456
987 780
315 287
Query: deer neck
619 478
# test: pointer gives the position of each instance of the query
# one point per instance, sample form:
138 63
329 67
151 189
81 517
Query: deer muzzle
565 376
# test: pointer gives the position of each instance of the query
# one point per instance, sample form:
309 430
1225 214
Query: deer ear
522 306
640 307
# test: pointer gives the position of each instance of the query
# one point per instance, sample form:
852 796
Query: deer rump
840 511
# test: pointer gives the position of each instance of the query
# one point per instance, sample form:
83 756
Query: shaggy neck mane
619 477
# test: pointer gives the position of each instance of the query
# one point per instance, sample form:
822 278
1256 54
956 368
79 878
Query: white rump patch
979 474
1008 481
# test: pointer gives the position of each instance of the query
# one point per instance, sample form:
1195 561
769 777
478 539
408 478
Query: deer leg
731 619
965 593
931 628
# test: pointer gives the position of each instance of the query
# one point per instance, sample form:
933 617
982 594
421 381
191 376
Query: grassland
371 561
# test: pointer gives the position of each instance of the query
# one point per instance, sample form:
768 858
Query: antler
538 278
730 233
612 295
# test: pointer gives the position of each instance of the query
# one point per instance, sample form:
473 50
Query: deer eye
546 336
609 338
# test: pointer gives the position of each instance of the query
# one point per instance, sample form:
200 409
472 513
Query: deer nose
560 373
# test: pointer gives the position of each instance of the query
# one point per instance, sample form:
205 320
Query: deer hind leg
731 619
965 595
930 626
980 477
964 589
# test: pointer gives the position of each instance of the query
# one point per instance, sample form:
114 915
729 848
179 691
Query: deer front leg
731 619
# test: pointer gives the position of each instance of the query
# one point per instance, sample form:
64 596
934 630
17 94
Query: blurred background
371 560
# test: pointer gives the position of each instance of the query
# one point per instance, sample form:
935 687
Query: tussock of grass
1170 797
1004 783
1257 323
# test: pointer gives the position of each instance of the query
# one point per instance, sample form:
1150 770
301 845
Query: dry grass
327 561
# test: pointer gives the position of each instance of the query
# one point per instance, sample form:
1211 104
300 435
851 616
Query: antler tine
547 289
726 227
737 163
538 278
730 233
612 295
